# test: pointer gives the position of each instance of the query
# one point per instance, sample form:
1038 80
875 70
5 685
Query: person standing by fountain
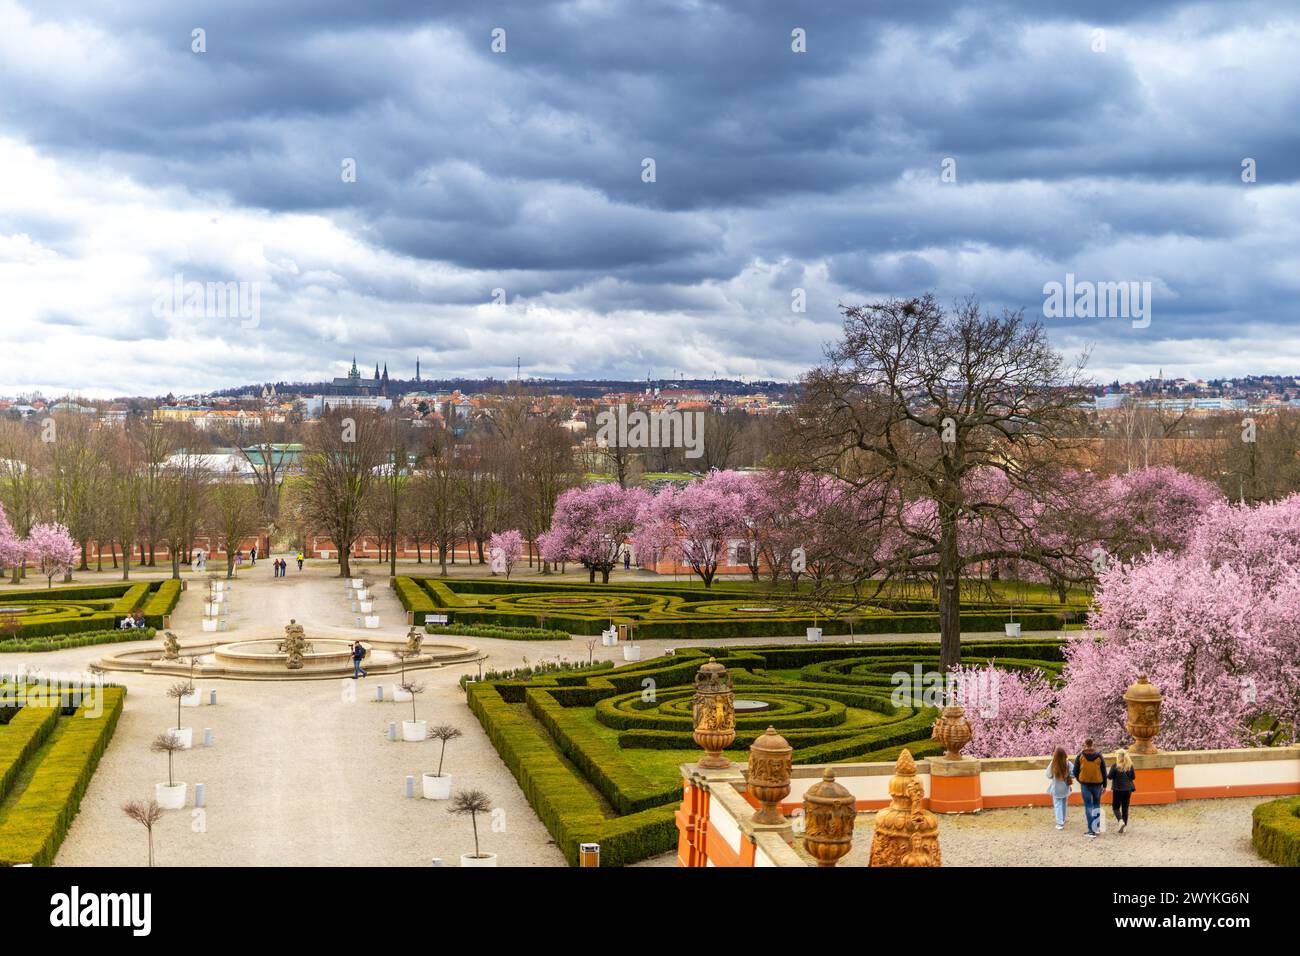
358 655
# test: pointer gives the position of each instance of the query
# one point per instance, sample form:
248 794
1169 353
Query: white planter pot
609 638
209 624
217 597
192 699
414 731
363 594
436 787
367 607
487 859
813 633
218 585
630 653
211 610
183 736
372 621
358 584
170 798
1013 630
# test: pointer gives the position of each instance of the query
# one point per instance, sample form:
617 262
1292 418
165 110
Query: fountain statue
413 641
171 646
294 645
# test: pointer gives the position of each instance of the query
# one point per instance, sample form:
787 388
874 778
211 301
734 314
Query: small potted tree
193 698
169 795
184 736
631 650
413 730
471 803
436 785
146 813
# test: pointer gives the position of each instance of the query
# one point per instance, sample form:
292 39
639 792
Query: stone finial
713 714
1142 700
829 814
768 775
906 833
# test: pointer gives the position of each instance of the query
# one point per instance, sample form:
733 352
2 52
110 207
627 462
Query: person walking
1059 784
299 560
1123 781
252 555
358 655
1090 770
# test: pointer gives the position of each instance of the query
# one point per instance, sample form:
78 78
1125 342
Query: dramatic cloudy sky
1103 139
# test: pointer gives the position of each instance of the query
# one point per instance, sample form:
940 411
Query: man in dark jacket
1090 770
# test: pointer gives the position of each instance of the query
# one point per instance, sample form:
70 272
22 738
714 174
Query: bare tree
913 404
145 813
471 803
231 513
344 449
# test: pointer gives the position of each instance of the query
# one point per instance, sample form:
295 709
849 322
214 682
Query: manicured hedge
564 805
1275 831
61 642
20 738
413 598
38 819
501 633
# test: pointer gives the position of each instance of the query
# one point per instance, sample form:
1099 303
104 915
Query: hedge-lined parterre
596 752
1275 831
47 757
99 607
680 611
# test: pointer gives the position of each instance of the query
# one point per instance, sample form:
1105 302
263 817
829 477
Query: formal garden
52 735
725 610
597 753
58 618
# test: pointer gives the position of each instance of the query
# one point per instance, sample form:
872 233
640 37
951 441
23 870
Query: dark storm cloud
523 170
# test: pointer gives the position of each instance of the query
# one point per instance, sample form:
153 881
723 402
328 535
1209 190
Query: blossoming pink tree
13 550
506 548
590 526
1153 509
697 523
1215 628
51 548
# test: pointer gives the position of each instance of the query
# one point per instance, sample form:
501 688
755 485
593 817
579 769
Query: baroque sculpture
171 646
414 639
713 714
294 645
906 833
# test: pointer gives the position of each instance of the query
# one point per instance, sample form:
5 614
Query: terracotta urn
829 814
713 714
768 775
952 729
1142 701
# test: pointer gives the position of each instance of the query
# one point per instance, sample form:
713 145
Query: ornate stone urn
952 729
768 775
1143 700
713 714
829 813
906 833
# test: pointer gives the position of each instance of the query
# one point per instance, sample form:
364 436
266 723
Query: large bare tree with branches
916 406
344 451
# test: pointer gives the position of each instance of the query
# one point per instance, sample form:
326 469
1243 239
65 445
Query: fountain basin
258 655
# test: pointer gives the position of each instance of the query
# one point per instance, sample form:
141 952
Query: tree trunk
345 569
604 575
949 589
591 576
